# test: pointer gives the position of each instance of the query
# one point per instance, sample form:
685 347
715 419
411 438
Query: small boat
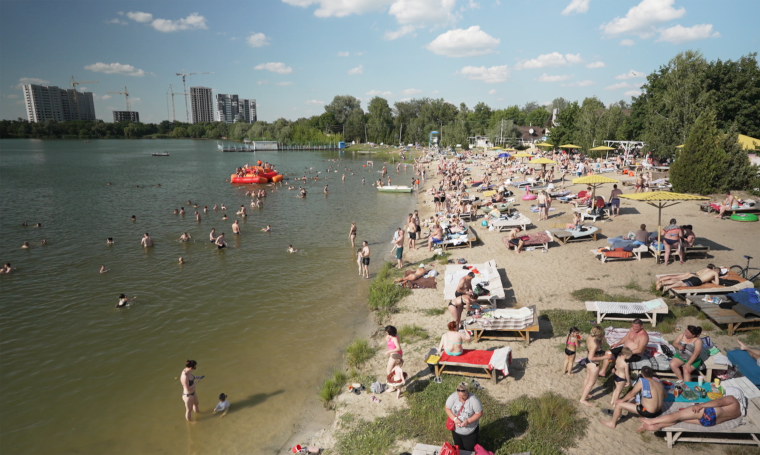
394 189
160 154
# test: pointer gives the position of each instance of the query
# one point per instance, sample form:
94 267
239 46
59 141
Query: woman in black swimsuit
595 355
457 306
189 381
352 233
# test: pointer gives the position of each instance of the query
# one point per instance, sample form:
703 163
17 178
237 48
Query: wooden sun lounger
440 368
503 225
650 315
713 435
696 249
708 288
565 236
636 254
723 316
479 333
490 273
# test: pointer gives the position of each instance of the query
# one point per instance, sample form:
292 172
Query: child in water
291 249
622 374
359 260
223 405
571 346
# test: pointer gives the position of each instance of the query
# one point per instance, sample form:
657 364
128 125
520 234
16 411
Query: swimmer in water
176 212
43 242
267 229
212 236
242 211
38 225
197 216
134 218
189 203
146 241
181 261
109 240
224 208
326 188
124 301
103 269
220 243
224 217
205 209
185 237
181 210
216 207
236 227
25 246
25 224
291 249
6 269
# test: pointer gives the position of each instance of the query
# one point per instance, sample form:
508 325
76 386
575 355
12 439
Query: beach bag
450 425
448 449
377 387
479 450
480 290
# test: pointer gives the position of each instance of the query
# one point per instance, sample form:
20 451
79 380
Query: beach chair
463 365
628 311
524 322
543 238
729 317
502 225
486 272
566 235
617 253
708 288
724 433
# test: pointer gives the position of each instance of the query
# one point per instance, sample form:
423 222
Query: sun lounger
542 238
659 253
746 364
715 207
486 272
471 359
565 235
560 194
708 288
419 283
724 316
628 310
523 183
617 254
502 224
748 425
459 240
495 328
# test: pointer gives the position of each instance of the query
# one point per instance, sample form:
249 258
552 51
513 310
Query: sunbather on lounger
706 414
451 341
419 273
707 275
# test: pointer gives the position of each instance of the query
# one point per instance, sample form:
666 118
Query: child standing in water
359 260
571 345
622 374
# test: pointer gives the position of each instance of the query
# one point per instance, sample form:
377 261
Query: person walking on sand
595 356
396 378
365 259
398 244
189 381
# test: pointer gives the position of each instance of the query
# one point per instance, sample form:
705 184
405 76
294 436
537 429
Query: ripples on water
79 376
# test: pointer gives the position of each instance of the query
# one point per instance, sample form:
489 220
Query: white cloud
559 78
138 16
492 91
115 68
134 99
313 102
275 67
632 93
630 75
30 80
340 8
343 54
283 83
463 43
358 70
257 40
262 82
596 65
359 54
627 42
585 83
391 35
378 93
618 86
642 18
492 75
193 21
679 34
116 21
82 89
576 6
107 97
405 99
554 59
412 92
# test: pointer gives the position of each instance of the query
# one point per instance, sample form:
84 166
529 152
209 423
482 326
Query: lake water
79 376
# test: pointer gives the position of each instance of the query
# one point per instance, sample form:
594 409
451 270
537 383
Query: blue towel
746 364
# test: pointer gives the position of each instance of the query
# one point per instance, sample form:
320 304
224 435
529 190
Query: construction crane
74 86
184 88
172 92
126 96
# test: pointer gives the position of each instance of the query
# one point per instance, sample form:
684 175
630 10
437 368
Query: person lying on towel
419 273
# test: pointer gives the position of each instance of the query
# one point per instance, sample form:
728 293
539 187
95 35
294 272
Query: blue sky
293 56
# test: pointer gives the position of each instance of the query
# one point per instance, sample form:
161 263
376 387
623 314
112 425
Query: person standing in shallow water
189 381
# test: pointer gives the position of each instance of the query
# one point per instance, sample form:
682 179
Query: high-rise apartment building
48 102
202 104
230 109
126 116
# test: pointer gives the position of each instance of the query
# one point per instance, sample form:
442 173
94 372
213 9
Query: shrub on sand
358 353
410 332
331 387
383 293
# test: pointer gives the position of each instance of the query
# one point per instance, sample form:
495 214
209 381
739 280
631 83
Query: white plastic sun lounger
488 273
628 311
502 225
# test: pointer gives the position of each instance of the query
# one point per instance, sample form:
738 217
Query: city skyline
293 56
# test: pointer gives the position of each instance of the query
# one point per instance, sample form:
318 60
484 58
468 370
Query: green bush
411 332
331 387
383 293
598 295
358 353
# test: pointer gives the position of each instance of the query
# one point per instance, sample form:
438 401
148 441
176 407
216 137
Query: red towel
473 356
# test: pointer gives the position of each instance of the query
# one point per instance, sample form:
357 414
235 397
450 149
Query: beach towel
501 359
472 356
617 253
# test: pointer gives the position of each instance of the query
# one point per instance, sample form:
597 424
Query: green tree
538 117
735 87
739 173
342 106
701 164
379 121
565 131
480 118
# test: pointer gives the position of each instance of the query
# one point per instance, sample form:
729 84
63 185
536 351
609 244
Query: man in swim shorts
615 201
220 243
365 259
398 243
709 274
146 241
515 239
649 394
636 339
465 285
706 414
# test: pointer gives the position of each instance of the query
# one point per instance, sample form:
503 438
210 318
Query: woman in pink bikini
394 347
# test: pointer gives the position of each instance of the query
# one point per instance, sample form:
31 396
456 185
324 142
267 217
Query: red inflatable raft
256 174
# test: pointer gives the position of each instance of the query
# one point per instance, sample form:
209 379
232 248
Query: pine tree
739 171
700 166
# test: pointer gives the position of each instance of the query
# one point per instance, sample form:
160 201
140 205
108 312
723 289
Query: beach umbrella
680 146
569 146
544 144
594 181
661 200
601 148
543 161
503 155
523 155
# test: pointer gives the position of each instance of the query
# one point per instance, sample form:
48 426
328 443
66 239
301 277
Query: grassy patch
548 423
433 311
359 352
598 295
412 332
383 293
742 450
707 326
562 320
442 258
331 387
633 286
752 338
685 311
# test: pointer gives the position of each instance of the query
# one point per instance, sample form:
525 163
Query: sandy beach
546 280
